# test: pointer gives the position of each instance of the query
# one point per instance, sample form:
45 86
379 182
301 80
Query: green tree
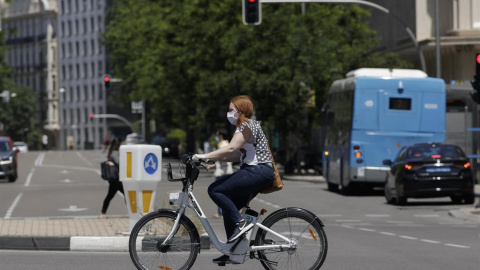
18 117
189 57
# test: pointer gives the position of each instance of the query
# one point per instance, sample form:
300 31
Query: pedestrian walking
45 142
113 185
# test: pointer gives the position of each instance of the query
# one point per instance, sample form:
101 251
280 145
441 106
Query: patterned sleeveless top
258 151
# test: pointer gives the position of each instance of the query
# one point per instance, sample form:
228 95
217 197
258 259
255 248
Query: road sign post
140 174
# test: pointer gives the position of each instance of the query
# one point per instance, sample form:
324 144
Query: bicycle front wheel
302 228
148 250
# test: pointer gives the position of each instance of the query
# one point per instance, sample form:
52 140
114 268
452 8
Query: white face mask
231 118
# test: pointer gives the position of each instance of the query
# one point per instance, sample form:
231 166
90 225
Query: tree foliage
18 117
189 57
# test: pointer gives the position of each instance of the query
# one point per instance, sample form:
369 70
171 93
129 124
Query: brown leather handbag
277 180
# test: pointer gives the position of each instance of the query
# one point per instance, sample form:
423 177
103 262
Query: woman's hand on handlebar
201 158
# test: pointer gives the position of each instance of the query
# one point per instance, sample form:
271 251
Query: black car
169 146
8 159
429 170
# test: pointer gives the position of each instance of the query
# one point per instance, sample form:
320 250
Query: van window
400 104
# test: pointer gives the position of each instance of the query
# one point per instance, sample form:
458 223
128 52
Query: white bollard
140 173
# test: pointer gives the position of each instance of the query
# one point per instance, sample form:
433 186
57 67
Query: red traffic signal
477 64
106 80
91 116
251 12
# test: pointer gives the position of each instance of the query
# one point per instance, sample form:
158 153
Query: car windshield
435 152
4 146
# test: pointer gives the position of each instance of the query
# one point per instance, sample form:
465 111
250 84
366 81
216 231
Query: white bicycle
289 238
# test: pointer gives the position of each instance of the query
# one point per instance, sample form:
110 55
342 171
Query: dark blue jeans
232 192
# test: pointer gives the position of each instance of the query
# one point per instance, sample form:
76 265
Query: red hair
244 105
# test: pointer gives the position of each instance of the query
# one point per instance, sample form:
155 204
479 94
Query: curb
466 214
305 178
75 243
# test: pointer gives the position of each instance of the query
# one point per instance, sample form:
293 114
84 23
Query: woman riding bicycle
249 146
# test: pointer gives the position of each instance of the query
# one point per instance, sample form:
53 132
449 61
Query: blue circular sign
150 163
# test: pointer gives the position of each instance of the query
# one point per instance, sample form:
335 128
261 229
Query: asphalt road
363 231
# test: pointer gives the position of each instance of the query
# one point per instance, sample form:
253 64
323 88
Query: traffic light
252 12
476 80
91 116
106 80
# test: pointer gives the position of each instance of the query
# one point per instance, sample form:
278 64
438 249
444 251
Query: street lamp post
366 3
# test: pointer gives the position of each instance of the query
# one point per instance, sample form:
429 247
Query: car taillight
408 166
465 165
436 156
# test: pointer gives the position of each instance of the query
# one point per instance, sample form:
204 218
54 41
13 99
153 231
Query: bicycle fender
187 221
301 210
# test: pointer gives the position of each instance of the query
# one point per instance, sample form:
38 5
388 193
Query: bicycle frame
238 249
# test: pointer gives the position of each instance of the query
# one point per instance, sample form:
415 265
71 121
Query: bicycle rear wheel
303 228
145 245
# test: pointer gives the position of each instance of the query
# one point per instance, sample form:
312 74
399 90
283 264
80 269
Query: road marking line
268 203
346 226
459 246
29 177
329 215
387 233
377 215
83 158
430 241
367 230
39 160
399 222
425 215
348 220
14 204
407 237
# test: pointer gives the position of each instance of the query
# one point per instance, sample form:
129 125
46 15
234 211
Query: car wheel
469 199
457 199
13 178
388 195
401 200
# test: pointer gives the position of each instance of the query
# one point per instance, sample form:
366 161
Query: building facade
82 59
31 33
459 31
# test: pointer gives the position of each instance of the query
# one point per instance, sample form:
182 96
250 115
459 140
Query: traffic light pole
366 3
115 116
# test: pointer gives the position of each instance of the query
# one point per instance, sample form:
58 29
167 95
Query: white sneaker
242 227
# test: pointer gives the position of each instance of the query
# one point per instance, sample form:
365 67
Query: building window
70 71
92 94
77 30
85 92
78 71
69 23
77 45
64 73
85 70
70 50
78 93
84 47
100 92
92 65
92 44
70 95
85 26
79 117
63 29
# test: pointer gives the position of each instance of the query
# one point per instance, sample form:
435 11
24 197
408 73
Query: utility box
140 173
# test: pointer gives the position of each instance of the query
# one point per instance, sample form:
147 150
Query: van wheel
332 187
469 199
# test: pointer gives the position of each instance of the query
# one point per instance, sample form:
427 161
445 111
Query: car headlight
7 160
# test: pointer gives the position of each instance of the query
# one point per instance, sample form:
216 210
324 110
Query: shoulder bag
277 183
109 171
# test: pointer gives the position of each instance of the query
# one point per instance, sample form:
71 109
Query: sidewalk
111 234
71 233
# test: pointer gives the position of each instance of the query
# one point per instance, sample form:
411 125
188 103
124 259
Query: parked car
429 170
20 146
169 146
8 159
134 138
